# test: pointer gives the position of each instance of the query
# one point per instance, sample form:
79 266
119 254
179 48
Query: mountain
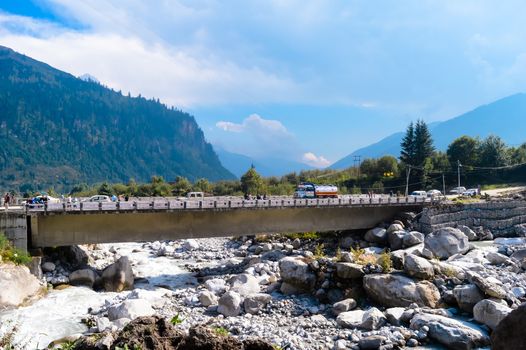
56 129
238 164
503 118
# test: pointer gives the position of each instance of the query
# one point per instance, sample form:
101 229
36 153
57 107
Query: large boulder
509 333
412 238
395 227
347 270
216 285
131 309
369 320
396 238
343 306
118 276
207 298
490 313
84 277
244 284
490 287
392 290
418 267
73 255
256 302
376 235
230 304
445 242
472 236
16 285
467 296
451 333
296 272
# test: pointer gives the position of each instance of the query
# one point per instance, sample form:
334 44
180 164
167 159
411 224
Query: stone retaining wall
499 217
14 226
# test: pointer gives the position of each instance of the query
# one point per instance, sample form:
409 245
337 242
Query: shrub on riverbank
12 254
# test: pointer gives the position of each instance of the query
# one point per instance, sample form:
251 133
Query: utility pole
458 171
408 172
443 184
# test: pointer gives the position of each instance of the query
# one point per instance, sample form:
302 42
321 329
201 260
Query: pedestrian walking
7 199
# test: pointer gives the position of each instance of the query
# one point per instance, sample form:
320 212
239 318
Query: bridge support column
14 226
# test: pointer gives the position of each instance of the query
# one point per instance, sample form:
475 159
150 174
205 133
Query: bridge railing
227 203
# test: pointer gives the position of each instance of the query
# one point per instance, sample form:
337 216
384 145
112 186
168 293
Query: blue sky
301 80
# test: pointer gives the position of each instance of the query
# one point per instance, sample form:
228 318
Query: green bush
12 254
221 331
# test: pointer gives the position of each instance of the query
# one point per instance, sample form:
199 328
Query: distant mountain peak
89 78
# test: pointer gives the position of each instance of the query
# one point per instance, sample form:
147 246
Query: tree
464 149
203 185
407 154
105 189
423 143
387 165
493 152
518 154
251 182
182 186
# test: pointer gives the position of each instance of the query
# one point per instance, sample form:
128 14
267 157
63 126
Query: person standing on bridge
7 199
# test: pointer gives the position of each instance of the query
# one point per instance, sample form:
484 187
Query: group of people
250 197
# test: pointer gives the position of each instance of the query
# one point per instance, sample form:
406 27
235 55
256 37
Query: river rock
472 236
349 270
396 238
412 238
371 342
395 227
343 306
207 298
496 258
48 267
418 267
118 276
376 235
72 255
393 290
467 296
490 313
451 333
256 302
296 271
130 308
491 288
369 320
519 254
190 244
216 285
445 242
244 284
84 277
394 315
230 304
509 333
16 285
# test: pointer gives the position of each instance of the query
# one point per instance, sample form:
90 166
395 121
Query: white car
434 193
458 190
99 198
471 192
418 194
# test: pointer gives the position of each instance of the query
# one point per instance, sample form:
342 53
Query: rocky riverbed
389 288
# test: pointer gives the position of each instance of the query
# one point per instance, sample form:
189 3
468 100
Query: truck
311 190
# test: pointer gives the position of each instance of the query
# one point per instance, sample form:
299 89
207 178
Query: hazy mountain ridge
504 118
59 129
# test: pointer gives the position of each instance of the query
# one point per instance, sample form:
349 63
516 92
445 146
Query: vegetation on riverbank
8 253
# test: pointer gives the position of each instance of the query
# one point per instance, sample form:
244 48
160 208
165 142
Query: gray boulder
490 313
215 285
84 277
16 285
418 267
72 255
392 290
451 333
496 258
48 266
207 298
394 315
296 272
412 238
376 235
396 239
131 308
472 236
349 270
244 284
343 306
229 304
118 276
467 296
395 227
256 302
445 242
488 286
509 334
369 320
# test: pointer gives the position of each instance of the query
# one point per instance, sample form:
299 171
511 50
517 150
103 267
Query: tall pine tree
408 145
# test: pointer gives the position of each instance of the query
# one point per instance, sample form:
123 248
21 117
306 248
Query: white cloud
257 125
315 161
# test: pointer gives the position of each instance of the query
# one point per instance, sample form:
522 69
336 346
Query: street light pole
408 171
458 171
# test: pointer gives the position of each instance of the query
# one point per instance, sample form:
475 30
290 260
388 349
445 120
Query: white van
419 194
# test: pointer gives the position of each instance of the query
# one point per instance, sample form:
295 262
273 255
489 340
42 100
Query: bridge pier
14 225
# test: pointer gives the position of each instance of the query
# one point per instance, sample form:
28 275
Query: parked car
471 192
418 194
458 190
98 198
195 195
434 193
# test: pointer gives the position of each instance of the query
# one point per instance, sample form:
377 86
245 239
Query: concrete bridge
166 219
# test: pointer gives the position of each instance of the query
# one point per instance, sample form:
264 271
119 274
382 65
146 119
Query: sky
308 81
